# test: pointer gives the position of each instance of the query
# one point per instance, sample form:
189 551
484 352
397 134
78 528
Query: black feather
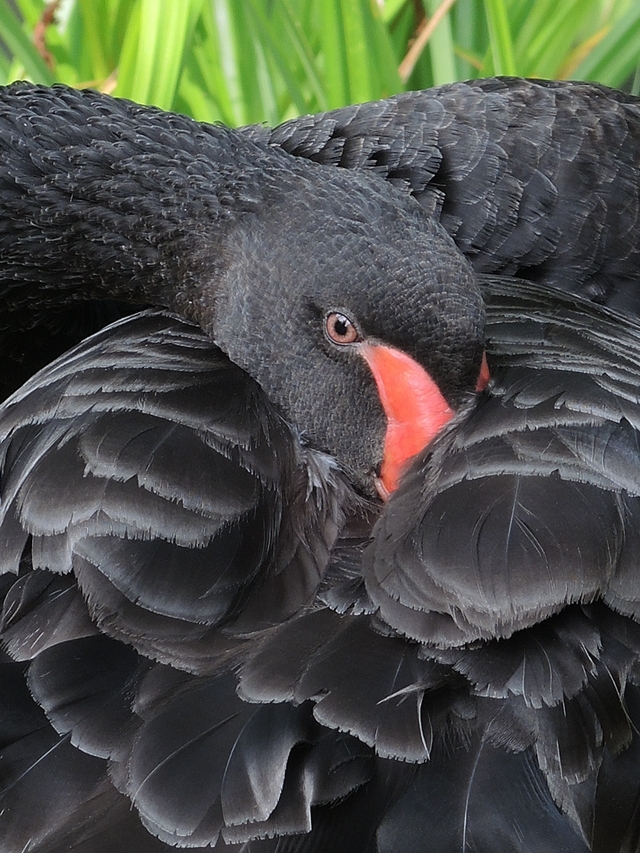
214 635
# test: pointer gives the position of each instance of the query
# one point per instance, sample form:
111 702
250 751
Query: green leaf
615 58
230 52
392 8
334 53
94 45
22 47
381 55
502 56
443 60
159 35
549 32
205 73
358 58
242 61
281 40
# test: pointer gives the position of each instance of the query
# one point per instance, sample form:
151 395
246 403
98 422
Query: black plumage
214 634
532 178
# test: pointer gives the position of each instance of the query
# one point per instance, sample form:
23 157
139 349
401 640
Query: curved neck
101 198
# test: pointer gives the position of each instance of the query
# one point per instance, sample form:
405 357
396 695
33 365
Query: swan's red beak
415 408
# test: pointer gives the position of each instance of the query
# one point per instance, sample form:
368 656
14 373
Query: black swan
282 570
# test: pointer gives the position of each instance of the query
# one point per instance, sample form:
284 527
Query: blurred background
246 61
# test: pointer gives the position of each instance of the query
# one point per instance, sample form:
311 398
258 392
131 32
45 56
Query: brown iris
341 329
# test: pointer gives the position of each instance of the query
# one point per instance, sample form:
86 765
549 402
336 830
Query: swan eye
340 329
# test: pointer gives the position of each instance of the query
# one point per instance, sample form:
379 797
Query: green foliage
244 61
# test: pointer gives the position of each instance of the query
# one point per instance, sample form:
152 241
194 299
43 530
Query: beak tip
382 490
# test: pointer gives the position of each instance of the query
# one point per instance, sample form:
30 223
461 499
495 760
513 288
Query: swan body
215 633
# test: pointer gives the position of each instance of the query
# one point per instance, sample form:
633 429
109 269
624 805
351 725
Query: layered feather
213 641
339 716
